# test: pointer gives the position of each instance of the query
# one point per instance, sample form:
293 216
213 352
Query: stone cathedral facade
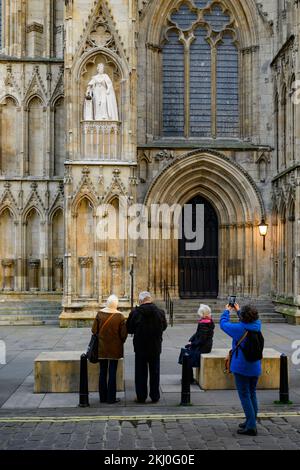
208 111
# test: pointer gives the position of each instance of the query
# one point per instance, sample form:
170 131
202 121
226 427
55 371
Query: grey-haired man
147 323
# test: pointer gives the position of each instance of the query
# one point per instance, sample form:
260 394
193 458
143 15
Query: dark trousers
108 380
246 387
142 365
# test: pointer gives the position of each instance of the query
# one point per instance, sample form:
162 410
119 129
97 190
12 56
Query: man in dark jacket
147 323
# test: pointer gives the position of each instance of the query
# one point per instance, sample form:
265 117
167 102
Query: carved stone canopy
8 263
85 261
34 262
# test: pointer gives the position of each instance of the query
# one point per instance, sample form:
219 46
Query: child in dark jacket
202 341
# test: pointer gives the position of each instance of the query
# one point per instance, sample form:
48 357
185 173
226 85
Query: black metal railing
169 303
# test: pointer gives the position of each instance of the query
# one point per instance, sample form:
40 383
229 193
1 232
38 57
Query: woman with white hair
110 326
202 341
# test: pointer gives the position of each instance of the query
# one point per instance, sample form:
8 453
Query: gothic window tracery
200 72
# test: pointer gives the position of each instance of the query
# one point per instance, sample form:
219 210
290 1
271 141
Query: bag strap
240 342
105 323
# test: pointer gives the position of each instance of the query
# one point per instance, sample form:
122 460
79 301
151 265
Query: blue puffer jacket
239 365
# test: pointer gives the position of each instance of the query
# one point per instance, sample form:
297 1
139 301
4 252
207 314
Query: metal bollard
84 386
186 381
284 398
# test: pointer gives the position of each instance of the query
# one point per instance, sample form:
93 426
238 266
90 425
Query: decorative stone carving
164 155
101 140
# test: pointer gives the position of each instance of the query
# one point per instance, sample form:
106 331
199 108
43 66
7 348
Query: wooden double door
198 269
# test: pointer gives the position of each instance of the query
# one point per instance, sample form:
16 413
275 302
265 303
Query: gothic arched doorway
198 270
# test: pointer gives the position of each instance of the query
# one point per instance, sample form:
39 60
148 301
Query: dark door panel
198 270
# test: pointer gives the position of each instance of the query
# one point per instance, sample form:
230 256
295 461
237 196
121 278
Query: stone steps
32 313
185 311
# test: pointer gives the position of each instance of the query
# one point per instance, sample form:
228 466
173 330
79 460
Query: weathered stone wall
254 177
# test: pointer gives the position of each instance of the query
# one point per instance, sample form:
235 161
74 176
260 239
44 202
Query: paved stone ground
165 433
210 424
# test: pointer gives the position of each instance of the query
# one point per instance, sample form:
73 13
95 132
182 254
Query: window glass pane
200 85
217 19
227 89
184 17
173 86
200 3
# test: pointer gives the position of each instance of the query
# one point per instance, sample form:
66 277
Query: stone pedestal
115 286
211 375
85 265
58 274
34 274
59 372
8 274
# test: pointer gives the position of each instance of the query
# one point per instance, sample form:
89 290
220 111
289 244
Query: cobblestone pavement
31 421
278 430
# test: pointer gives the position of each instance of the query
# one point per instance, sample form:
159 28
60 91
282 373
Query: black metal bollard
284 380
84 386
284 396
186 380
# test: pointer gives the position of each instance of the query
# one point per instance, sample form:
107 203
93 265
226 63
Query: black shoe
247 432
243 425
140 402
117 400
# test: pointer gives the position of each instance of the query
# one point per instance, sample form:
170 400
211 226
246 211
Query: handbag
182 353
231 353
92 350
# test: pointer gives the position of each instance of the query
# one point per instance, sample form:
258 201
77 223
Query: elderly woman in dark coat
202 341
110 326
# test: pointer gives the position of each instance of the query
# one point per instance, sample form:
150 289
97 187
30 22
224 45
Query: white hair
204 311
144 296
112 299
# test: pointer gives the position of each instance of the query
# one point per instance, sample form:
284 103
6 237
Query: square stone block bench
59 372
211 374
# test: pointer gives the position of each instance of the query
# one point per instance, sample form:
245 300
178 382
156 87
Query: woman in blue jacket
246 373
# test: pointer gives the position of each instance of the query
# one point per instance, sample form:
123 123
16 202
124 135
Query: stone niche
35 39
100 139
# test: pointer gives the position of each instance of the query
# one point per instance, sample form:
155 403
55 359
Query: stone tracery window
200 72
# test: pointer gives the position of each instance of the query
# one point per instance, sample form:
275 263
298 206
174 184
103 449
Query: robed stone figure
100 101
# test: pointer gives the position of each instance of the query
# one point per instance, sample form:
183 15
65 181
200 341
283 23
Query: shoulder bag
231 353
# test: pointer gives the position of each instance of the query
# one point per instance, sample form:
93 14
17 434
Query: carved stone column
85 264
8 274
115 264
34 274
58 274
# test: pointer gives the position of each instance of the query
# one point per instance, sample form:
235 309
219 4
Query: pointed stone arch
7 200
239 207
7 248
102 22
100 42
244 30
35 88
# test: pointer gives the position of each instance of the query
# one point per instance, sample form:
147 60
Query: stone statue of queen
100 101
